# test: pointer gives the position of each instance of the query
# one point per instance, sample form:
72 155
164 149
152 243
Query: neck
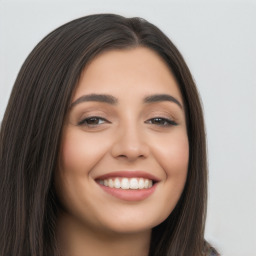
75 239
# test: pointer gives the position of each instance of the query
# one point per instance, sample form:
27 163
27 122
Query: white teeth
126 183
134 183
141 183
110 183
117 183
146 183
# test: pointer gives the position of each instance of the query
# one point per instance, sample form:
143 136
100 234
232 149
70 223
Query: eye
160 121
93 121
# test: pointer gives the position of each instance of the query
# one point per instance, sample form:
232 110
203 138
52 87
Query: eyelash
85 121
164 122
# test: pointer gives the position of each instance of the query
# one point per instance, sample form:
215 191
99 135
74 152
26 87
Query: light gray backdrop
218 41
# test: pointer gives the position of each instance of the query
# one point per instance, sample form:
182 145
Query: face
124 154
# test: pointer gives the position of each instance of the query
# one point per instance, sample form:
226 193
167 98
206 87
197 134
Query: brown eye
160 121
93 121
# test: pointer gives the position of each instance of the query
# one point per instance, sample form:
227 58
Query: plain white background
218 41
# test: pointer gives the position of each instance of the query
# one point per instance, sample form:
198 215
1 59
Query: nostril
127 147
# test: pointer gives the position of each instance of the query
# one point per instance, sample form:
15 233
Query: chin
133 222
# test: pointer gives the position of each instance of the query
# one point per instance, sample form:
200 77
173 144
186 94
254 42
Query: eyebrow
162 97
96 97
109 99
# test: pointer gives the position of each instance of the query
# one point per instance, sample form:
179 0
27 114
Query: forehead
139 70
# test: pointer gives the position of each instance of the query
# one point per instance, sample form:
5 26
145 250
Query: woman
102 146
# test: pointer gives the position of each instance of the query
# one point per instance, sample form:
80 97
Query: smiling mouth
127 183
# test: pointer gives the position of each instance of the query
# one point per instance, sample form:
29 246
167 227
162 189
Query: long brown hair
32 125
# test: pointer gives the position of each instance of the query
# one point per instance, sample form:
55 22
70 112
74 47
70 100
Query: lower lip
129 194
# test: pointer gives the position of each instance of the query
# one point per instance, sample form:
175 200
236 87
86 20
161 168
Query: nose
130 144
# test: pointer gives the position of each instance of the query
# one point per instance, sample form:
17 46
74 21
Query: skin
128 137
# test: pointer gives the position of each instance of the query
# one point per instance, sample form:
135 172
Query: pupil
93 121
157 120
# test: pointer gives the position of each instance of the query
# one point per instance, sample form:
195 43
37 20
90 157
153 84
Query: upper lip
128 174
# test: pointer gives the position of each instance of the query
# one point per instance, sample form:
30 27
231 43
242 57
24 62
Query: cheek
173 154
78 156
173 157
80 152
